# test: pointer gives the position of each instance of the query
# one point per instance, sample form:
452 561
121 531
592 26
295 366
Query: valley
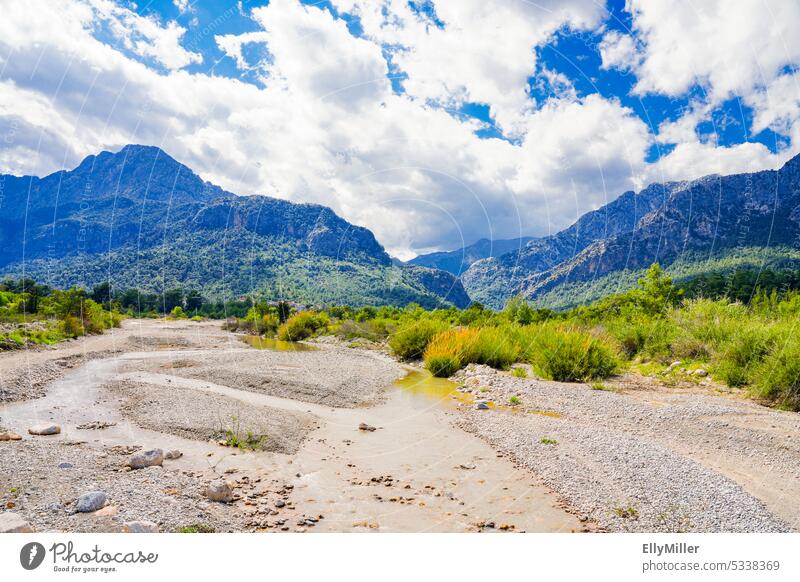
336 438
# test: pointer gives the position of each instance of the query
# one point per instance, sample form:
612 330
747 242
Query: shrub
71 326
778 377
177 313
410 340
568 354
302 325
745 350
445 353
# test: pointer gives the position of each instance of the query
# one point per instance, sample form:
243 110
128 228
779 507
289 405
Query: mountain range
715 223
138 218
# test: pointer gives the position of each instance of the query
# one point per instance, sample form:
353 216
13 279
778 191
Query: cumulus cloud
326 125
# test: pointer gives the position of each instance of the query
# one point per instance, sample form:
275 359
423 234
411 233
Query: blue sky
574 54
432 122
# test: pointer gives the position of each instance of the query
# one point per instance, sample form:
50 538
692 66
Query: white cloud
618 51
483 53
325 125
144 36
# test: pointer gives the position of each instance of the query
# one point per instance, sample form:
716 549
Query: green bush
569 354
410 340
303 325
777 379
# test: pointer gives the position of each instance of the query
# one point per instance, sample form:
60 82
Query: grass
303 325
548 441
519 373
599 386
514 400
629 512
410 341
197 528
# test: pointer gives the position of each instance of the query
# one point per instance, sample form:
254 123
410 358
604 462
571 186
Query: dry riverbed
341 439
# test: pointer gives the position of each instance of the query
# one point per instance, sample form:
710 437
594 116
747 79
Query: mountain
713 223
141 219
458 261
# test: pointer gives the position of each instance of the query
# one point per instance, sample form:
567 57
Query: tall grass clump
566 353
444 355
303 325
451 350
777 379
411 339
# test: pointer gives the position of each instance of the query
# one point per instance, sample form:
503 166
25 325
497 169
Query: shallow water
267 343
423 383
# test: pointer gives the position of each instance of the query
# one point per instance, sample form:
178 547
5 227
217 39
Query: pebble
481 405
10 436
365 427
219 490
146 459
91 501
172 455
45 429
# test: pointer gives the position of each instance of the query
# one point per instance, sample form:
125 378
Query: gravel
168 497
622 462
31 381
335 376
204 416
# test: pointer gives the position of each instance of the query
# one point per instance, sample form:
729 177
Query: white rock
45 429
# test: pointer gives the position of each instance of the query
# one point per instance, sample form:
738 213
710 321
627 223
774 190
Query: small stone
364 426
45 429
701 372
107 511
146 459
172 455
10 436
140 527
91 501
219 490
11 522
481 405
467 466
280 503
65 465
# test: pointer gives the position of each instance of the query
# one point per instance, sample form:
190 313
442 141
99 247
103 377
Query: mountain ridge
137 216
662 222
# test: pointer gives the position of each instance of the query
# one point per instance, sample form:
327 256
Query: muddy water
266 343
414 473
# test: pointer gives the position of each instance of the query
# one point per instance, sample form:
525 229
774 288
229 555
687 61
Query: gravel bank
336 377
41 479
623 461
204 416
31 381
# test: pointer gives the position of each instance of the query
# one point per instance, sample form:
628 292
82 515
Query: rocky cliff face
460 260
140 218
681 221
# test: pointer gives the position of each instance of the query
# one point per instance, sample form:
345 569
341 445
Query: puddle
424 384
266 343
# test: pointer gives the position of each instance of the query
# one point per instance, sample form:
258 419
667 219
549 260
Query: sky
432 122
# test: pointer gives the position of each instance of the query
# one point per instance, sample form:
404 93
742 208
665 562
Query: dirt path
414 472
